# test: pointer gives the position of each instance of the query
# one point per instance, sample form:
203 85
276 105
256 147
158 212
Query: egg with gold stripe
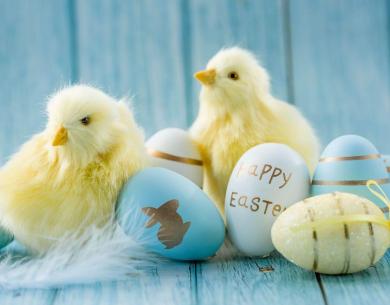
386 160
346 164
333 233
173 149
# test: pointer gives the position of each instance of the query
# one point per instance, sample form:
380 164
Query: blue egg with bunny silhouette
171 215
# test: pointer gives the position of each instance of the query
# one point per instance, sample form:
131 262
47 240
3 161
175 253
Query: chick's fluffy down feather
237 113
47 191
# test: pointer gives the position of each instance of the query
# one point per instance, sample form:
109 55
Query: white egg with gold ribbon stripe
172 148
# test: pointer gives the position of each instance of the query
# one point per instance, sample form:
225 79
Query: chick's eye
85 120
233 75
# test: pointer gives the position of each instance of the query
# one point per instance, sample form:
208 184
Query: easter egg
265 181
386 160
345 166
172 216
332 247
172 148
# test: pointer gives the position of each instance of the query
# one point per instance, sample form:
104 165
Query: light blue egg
386 160
345 166
173 216
349 145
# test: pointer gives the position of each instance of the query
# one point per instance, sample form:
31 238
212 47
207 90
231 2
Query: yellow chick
68 176
237 112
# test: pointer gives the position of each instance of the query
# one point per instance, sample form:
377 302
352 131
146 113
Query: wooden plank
340 52
367 287
340 56
25 296
256 25
246 281
88 294
35 60
135 48
168 284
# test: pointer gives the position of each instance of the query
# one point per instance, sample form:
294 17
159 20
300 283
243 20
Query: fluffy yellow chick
237 112
68 176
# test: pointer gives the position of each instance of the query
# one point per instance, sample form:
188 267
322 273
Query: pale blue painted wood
24 296
367 287
169 284
30 297
241 281
256 25
340 52
151 49
340 56
35 60
135 48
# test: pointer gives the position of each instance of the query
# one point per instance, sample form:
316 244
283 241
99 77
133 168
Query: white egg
172 148
265 181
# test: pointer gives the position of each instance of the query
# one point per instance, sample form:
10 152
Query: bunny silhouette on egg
172 229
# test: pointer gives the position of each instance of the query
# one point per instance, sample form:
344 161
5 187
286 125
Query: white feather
97 255
227 251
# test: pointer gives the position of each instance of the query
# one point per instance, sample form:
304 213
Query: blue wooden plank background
330 58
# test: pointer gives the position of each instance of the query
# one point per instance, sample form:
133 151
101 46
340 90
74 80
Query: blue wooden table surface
330 58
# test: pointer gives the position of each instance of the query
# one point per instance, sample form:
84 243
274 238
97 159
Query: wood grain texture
336 52
340 52
241 281
257 25
366 287
168 284
24 296
135 48
35 60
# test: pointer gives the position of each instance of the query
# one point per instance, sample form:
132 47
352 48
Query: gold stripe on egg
372 235
166 156
311 214
348 182
347 257
385 210
350 158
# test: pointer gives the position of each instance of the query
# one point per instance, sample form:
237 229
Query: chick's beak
61 137
206 77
